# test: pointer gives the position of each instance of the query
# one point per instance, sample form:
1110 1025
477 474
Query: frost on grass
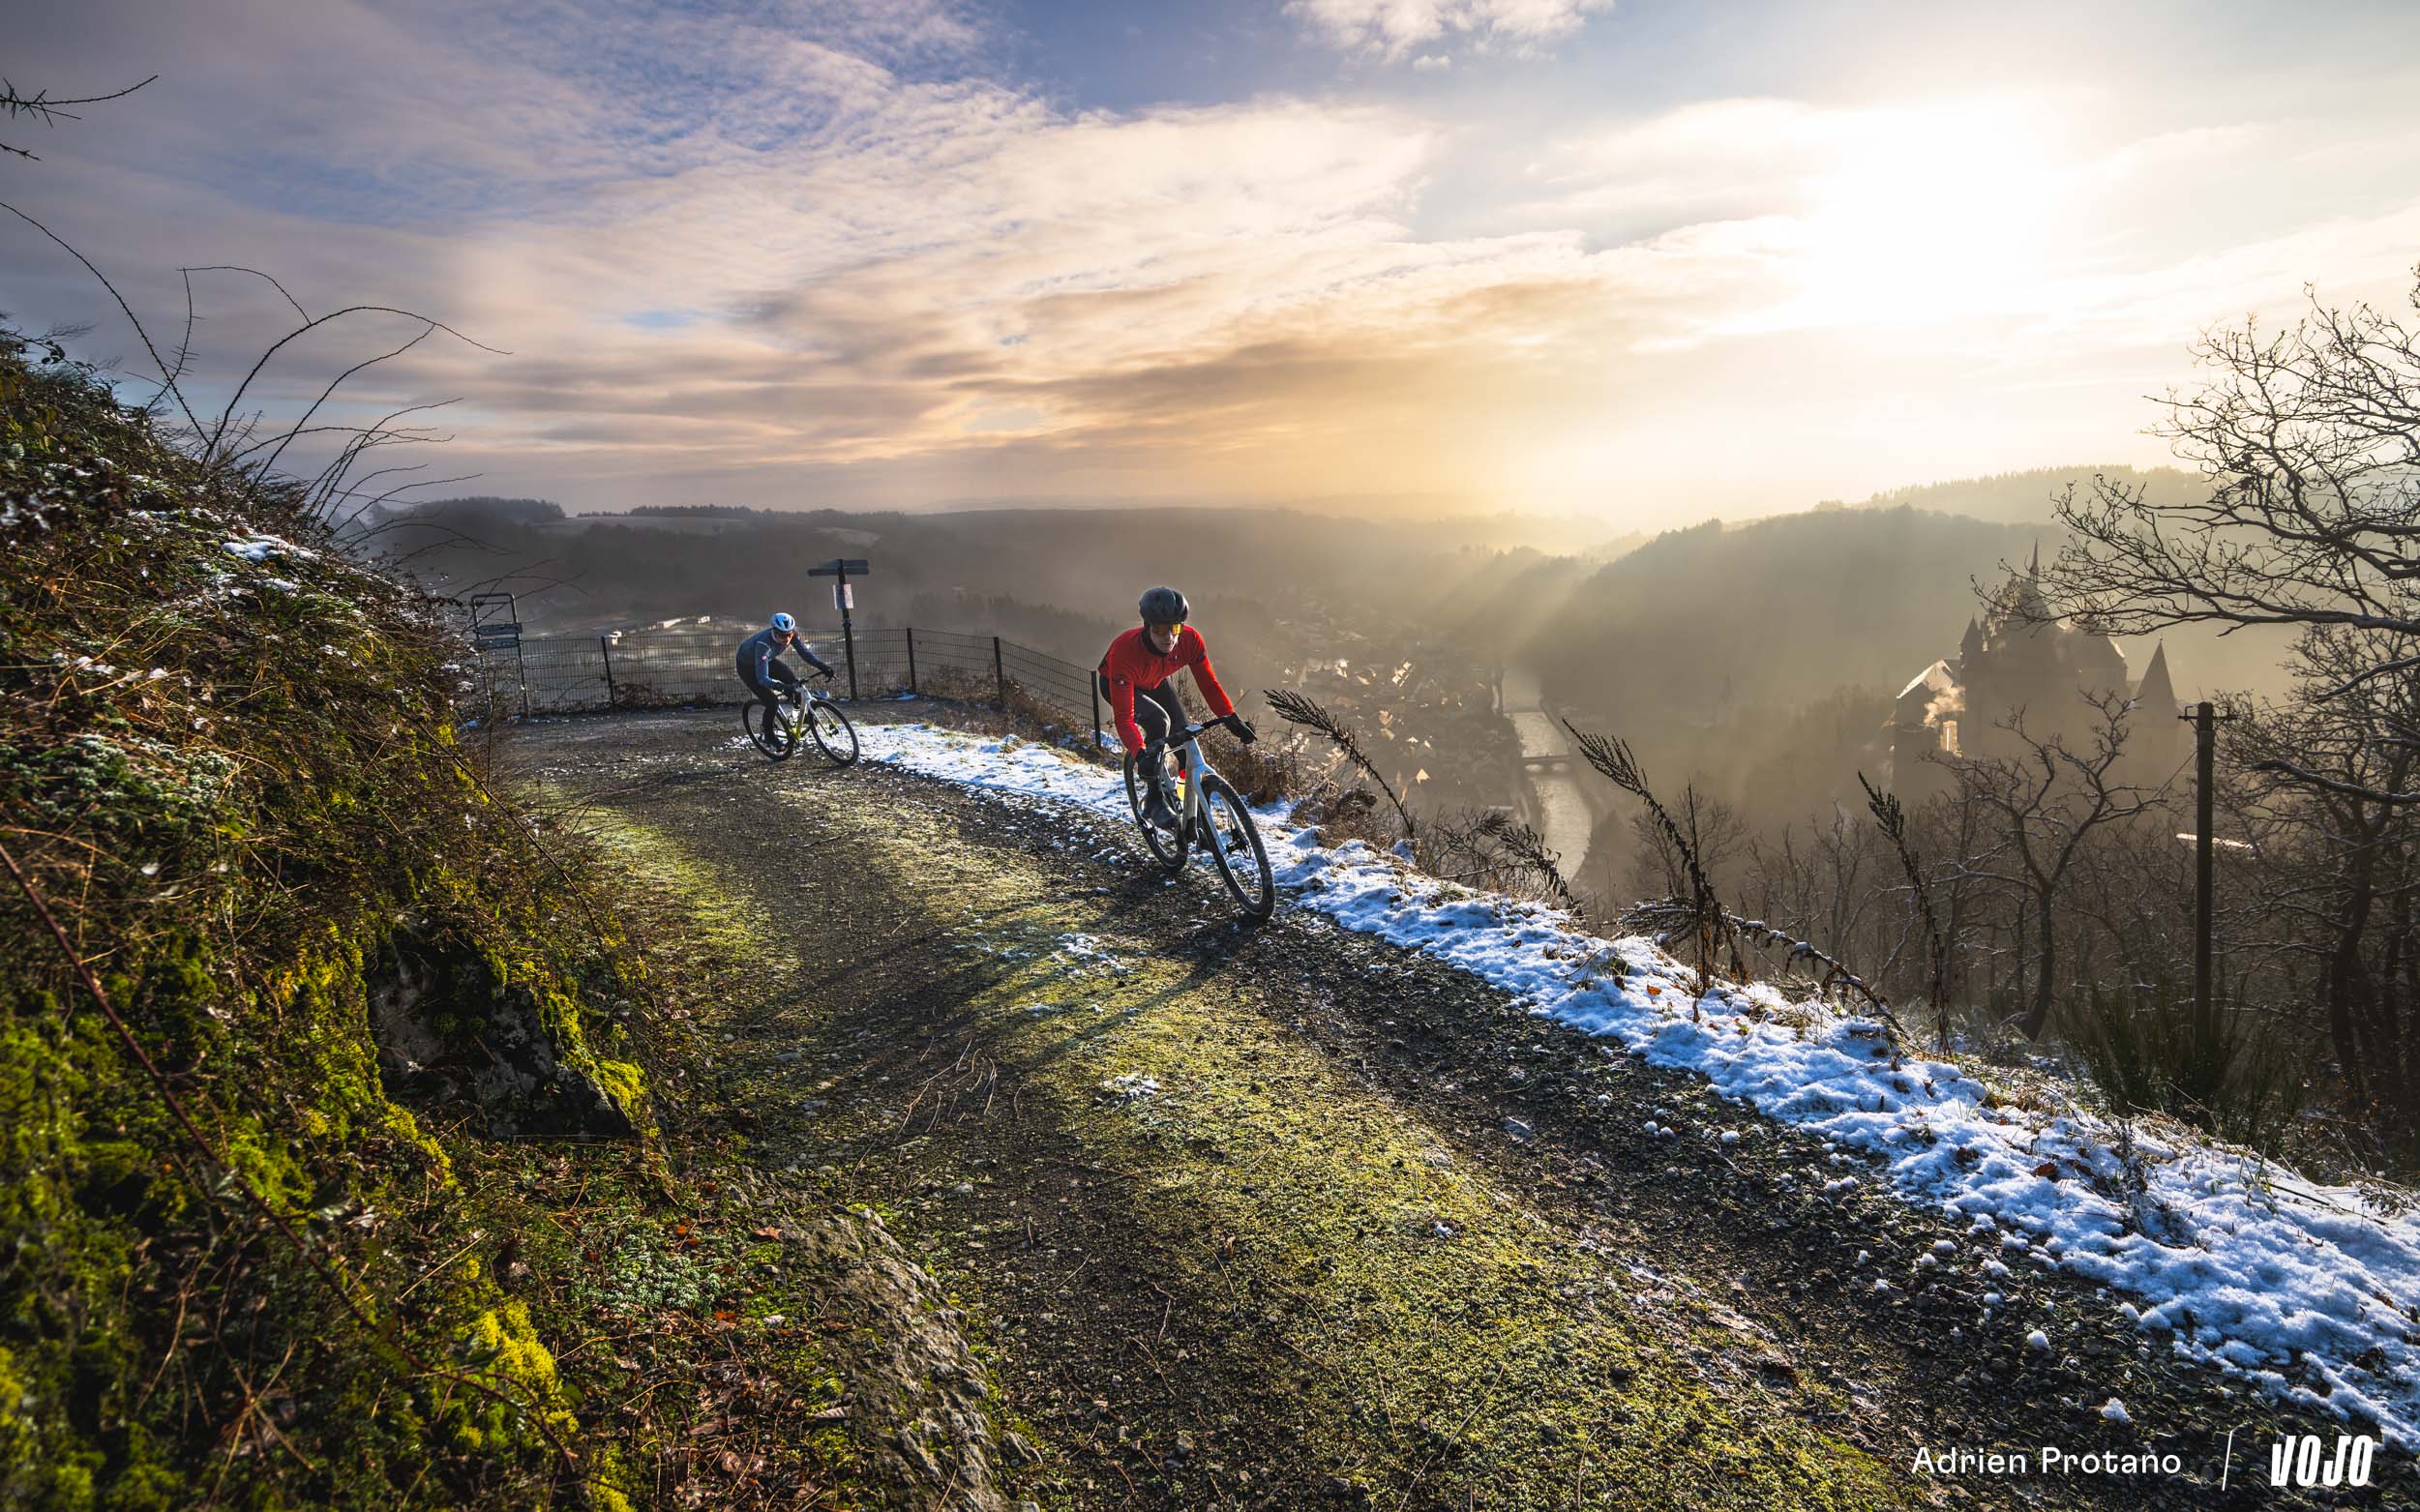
1085 953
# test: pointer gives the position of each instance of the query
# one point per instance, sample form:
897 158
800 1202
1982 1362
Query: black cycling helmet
1164 607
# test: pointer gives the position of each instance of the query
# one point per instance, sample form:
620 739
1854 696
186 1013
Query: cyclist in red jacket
1134 676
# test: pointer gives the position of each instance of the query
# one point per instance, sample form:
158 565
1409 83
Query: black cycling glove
1241 728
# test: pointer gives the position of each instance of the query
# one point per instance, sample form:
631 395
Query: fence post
912 658
604 645
848 644
1001 674
1092 686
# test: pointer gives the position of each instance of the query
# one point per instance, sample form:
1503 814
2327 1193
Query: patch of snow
260 547
2269 1266
1083 952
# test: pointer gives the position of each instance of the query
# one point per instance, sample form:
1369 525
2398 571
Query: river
1562 807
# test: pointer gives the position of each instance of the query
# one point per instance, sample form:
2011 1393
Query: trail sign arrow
844 568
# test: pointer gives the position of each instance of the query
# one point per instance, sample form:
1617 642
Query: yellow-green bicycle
804 713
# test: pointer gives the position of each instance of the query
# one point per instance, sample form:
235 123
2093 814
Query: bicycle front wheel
1235 843
1167 847
832 732
771 735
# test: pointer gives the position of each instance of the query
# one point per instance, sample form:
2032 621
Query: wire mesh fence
653 670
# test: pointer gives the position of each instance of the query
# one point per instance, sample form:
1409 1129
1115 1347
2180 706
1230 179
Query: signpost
496 626
842 569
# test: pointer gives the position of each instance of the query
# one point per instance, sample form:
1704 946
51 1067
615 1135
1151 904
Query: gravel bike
805 713
1210 812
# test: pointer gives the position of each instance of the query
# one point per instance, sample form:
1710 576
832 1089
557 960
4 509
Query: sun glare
1931 214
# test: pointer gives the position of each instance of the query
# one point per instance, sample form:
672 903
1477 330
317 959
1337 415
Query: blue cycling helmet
784 624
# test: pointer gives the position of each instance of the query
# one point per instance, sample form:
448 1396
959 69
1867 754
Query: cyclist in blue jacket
762 669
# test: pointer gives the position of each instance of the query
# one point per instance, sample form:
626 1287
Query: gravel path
1285 1216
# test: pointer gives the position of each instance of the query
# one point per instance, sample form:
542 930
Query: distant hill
1778 612
2020 499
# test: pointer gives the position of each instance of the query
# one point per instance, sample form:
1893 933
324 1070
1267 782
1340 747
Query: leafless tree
2341 866
2047 801
42 107
2308 440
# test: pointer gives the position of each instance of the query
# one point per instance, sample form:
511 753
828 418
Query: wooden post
605 646
912 658
2205 763
999 674
838 570
848 631
1092 685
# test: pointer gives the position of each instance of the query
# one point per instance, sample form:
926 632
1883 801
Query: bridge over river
1548 765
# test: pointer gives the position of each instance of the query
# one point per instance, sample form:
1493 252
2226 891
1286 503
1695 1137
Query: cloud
1389 29
782 251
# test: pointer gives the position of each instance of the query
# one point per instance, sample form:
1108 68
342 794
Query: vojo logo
2302 1459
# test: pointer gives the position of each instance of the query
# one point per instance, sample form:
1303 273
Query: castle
2017 656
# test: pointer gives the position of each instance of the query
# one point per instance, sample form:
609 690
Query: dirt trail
1285 1216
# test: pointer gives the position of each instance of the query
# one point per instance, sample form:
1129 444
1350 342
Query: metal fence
655 669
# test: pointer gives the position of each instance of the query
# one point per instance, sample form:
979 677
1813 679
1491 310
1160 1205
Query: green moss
237 843
624 1082
1398 1300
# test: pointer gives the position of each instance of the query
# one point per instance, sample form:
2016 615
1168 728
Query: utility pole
2204 719
839 569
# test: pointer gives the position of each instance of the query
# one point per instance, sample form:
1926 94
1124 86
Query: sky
1636 260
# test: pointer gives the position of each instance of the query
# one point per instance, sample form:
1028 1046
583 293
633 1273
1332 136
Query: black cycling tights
770 696
1156 709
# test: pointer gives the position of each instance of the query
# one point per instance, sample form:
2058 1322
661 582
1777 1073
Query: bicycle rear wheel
1233 842
773 736
1167 847
832 731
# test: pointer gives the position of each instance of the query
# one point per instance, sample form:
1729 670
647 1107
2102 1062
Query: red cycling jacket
1133 664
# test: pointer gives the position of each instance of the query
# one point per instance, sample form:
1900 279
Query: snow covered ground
2229 1260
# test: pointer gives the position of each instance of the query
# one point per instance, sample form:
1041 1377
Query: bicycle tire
833 734
775 742
1233 842
1167 848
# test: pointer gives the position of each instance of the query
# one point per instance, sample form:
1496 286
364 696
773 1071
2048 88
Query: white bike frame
1189 753
795 720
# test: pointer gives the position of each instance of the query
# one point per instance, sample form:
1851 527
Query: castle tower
2156 739
2020 657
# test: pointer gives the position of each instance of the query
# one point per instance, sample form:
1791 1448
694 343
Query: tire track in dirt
1287 1216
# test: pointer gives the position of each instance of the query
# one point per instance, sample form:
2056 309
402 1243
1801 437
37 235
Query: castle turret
2156 697
2156 743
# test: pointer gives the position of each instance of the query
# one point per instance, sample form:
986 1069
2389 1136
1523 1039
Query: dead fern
1296 709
